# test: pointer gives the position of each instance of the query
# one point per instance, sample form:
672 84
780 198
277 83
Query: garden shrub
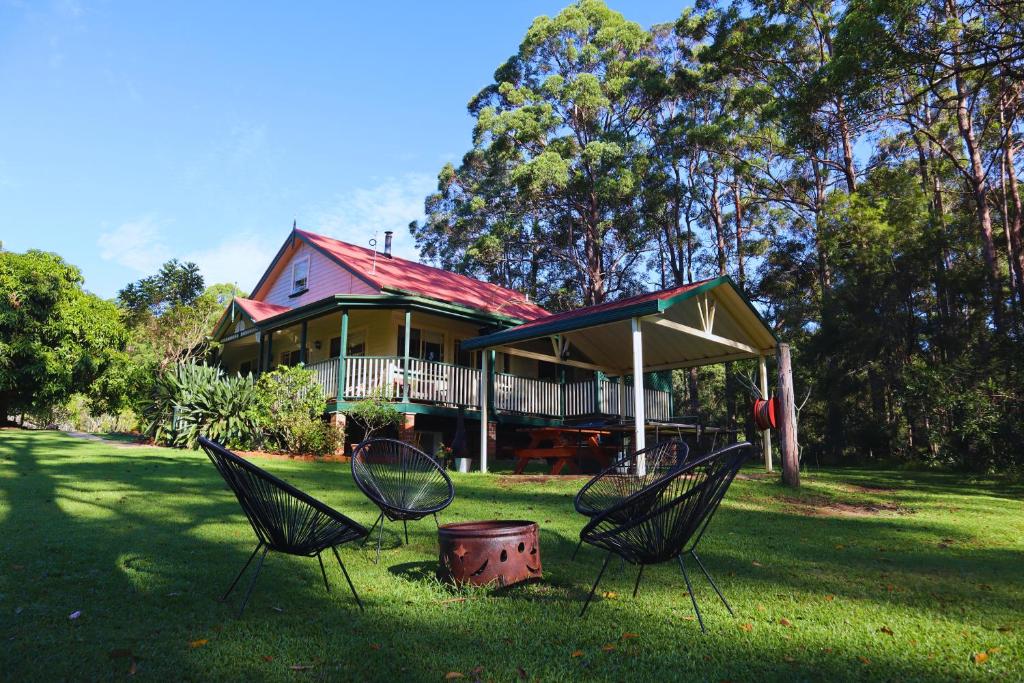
290 406
374 413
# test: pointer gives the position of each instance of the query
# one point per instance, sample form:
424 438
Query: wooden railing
367 375
527 395
443 383
326 376
657 403
453 385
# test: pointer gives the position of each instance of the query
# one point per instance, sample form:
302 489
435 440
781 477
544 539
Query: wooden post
622 400
639 418
786 418
302 343
270 350
766 435
405 359
342 352
484 357
598 378
561 391
262 357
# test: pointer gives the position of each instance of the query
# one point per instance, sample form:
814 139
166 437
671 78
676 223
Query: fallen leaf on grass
789 659
864 660
629 636
747 627
608 647
266 658
785 622
374 646
452 675
761 608
577 653
979 657
756 563
198 643
611 595
886 630
132 668
300 667
1004 629
984 587
522 673
74 615
994 650
119 653
840 546
829 598
277 609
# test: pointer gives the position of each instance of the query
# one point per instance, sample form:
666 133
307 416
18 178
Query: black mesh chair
403 481
284 518
666 520
621 479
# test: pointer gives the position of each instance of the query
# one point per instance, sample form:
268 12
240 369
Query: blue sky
134 132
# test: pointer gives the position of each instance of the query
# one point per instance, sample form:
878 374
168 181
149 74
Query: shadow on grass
143 543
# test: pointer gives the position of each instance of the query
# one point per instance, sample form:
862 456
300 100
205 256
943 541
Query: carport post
485 354
639 419
766 435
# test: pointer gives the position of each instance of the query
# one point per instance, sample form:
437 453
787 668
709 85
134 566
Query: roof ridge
370 251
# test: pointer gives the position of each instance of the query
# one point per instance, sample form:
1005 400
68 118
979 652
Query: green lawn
863 574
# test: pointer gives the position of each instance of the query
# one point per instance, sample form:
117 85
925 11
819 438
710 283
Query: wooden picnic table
563 449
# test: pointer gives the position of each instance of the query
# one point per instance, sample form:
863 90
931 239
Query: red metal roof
611 305
258 310
409 276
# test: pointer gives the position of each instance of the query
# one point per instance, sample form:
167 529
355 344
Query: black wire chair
403 481
666 520
621 479
284 518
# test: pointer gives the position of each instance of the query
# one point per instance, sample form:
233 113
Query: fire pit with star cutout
493 552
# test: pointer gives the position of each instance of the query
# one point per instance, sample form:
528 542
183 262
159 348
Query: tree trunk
849 170
978 182
787 419
1016 230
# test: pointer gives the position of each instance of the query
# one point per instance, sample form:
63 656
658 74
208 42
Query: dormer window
300 276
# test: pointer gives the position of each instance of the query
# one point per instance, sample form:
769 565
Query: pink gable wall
326 278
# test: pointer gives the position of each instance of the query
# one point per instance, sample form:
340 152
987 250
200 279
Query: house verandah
411 350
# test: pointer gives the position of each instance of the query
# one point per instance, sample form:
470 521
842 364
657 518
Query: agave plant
193 400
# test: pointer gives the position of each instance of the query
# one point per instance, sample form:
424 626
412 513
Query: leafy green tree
55 338
559 140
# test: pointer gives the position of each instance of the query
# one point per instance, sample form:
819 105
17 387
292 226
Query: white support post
766 435
484 355
639 419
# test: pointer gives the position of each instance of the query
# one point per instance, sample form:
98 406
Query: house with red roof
369 322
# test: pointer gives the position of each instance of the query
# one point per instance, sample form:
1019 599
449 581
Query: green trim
446 411
644 308
342 354
280 252
405 356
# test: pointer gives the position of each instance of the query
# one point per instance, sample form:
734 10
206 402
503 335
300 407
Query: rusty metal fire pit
479 553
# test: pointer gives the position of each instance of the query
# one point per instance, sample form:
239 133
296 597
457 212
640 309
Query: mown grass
862 574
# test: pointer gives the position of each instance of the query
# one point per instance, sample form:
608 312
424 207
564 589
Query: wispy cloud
359 214
137 245
241 259
141 246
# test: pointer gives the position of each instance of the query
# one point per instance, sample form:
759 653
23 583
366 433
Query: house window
356 345
290 357
464 358
423 344
300 276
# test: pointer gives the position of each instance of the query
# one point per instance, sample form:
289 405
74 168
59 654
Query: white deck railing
326 376
443 383
454 385
527 395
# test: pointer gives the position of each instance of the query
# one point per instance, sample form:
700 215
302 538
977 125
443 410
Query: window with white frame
300 275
